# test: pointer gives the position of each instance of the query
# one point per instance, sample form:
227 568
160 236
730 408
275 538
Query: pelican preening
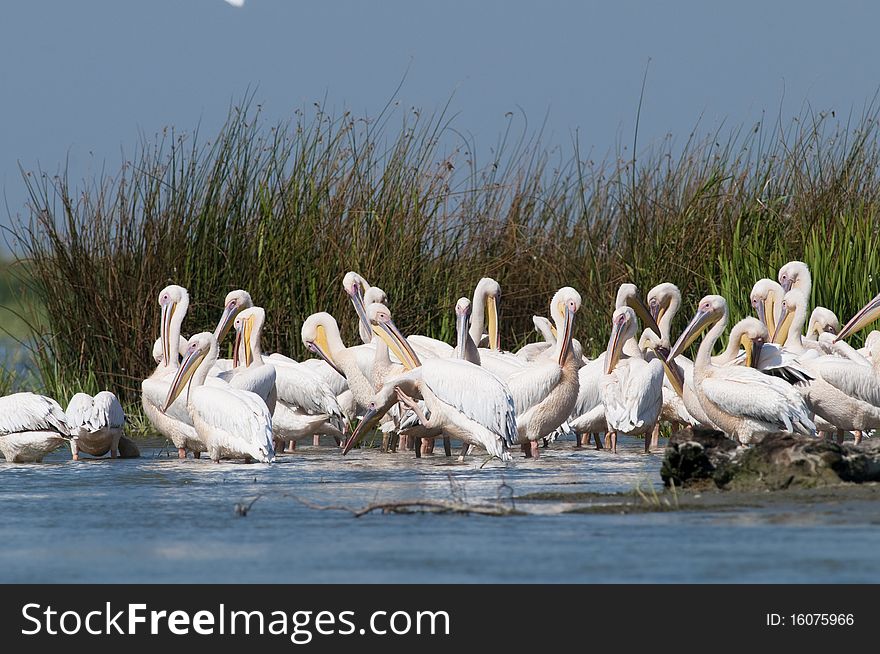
95 424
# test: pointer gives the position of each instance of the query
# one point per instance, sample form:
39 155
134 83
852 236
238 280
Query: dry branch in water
458 504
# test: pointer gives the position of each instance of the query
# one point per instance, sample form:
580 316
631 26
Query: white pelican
796 275
96 422
300 402
362 295
174 422
545 391
664 301
31 426
789 331
744 403
486 418
766 299
233 424
320 335
632 386
249 371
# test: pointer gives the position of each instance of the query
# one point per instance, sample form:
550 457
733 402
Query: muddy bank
706 459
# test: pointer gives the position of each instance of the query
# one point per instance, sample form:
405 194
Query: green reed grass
285 210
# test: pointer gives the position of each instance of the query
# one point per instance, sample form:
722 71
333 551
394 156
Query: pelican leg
655 437
545 442
427 446
821 435
598 440
74 450
608 440
417 447
412 404
535 449
840 435
579 440
613 438
338 441
386 438
526 449
316 440
181 452
447 446
857 437
464 450
197 455
114 453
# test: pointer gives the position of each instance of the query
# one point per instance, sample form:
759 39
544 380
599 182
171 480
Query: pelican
320 335
465 348
486 418
766 299
252 373
96 422
588 415
744 403
632 386
173 422
233 424
363 295
31 426
664 301
789 330
545 392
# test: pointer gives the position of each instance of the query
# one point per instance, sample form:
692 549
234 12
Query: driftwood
504 505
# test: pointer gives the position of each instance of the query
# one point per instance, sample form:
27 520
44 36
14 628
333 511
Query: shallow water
157 519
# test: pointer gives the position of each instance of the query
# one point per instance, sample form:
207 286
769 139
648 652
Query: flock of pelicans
771 378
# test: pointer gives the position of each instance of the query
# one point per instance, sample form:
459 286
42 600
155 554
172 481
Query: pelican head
752 335
174 301
795 274
315 336
378 407
382 325
491 290
822 321
198 348
545 327
247 323
628 295
872 343
356 287
661 299
793 302
711 309
564 305
623 328
864 317
764 296
235 302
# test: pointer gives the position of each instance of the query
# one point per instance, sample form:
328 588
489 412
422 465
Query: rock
128 449
708 458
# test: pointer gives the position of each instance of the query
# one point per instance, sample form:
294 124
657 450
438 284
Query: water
156 519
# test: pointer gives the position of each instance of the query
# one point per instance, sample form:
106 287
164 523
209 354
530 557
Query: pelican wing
31 412
298 386
477 393
749 393
106 412
532 384
849 377
79 411
333 379
426 344
240 413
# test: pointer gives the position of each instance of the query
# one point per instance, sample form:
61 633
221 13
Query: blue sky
81 79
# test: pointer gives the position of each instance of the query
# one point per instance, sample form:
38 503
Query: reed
285 210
